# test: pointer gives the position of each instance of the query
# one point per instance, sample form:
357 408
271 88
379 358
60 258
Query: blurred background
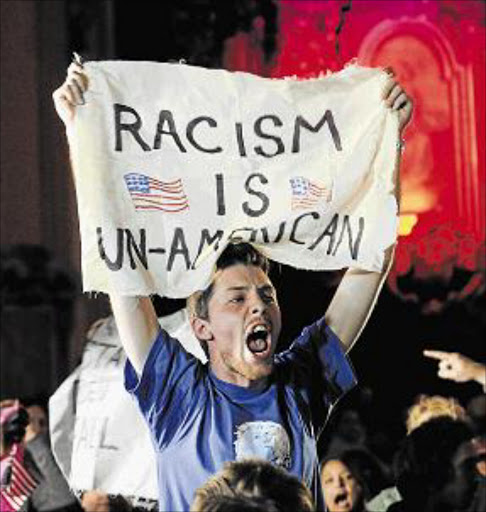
435 295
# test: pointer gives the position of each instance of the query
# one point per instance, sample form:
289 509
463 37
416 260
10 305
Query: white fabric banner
172 162
98 436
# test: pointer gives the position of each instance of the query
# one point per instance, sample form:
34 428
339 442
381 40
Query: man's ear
201 329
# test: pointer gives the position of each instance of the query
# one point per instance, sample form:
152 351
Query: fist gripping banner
173 162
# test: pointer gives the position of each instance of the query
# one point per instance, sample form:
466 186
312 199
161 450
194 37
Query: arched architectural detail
443 134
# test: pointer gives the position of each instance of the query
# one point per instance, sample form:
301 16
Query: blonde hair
427 407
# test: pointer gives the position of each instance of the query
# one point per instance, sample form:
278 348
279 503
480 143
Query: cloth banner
98 436
172 162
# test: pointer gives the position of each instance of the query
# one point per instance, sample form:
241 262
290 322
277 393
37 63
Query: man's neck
235 378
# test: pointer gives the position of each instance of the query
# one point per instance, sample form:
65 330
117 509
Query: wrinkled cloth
172 162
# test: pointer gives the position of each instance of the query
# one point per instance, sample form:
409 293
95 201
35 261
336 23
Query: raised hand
396 98
457 367
71 93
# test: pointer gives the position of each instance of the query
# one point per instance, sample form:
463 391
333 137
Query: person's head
427 407
254 483
433 464
13 422
342 490
237 318
38 418
224 503
350 427
476 411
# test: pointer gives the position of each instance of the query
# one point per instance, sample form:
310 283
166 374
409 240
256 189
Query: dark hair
367 469
259 480
424 462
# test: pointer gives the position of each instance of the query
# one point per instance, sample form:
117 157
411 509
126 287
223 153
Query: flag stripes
149 193
306 193
15 493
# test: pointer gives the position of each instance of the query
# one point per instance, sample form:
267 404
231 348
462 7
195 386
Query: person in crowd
424 408
255 485
476 411
427 407
31 479
247 401
458 367
349 432
351 479
435 468
342 491
38 421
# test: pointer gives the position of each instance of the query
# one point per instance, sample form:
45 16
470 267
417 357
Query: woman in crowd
350 479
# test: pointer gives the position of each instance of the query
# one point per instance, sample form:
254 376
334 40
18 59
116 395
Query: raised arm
358 291
135 316
137 326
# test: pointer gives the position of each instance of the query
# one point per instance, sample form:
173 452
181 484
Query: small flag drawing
306 193
20 485
151 194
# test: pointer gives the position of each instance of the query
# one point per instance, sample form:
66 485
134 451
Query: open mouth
341 498
258 341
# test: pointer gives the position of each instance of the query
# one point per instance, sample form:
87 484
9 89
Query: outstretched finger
436 354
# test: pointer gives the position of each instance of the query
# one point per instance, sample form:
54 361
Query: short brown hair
257 479
234 254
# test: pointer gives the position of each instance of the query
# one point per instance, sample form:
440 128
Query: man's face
243 326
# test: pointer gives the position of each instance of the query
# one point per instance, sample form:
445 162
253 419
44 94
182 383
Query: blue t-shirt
199 422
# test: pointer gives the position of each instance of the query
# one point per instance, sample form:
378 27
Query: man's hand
396 99
457 367
71 93
95 501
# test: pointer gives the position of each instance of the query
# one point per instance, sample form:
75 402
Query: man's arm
135 316
358 291
137 325
354 301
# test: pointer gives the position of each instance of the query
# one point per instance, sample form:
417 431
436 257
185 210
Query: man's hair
224 503
254 483
233 254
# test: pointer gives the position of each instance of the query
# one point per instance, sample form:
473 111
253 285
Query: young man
247 402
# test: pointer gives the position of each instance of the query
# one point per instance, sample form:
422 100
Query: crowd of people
439 466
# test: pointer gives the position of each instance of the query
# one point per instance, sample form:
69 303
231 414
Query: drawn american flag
306 193
20 485
151 194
